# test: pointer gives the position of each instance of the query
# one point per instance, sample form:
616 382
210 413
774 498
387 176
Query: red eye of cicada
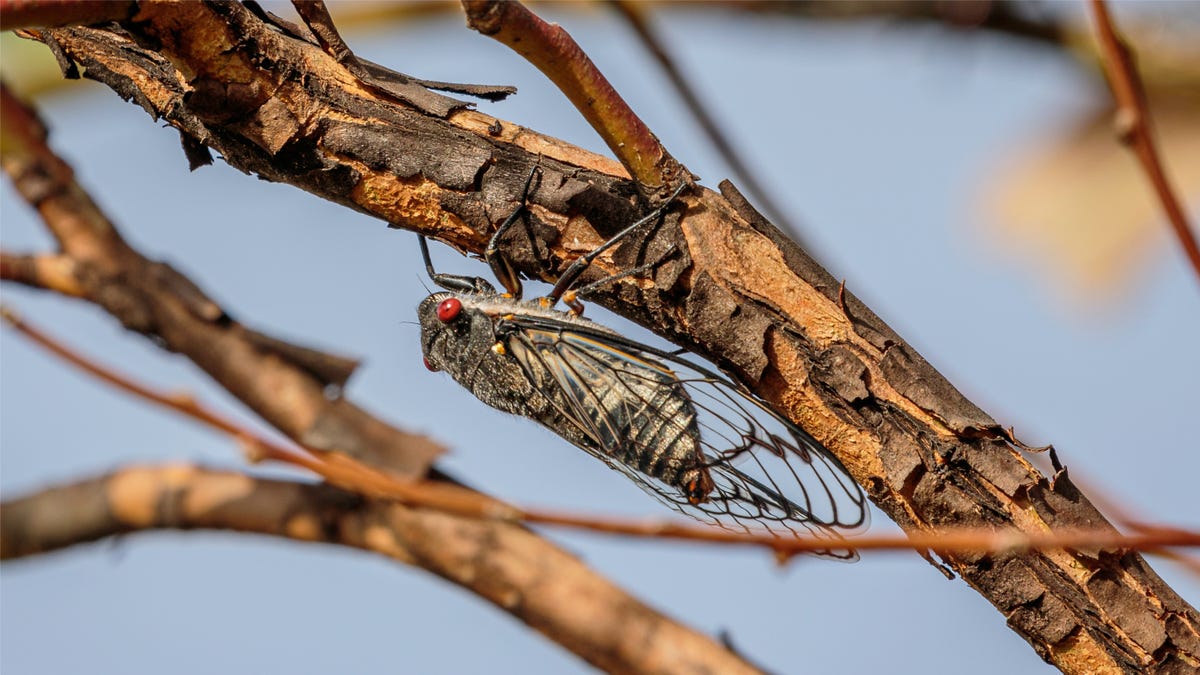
448 309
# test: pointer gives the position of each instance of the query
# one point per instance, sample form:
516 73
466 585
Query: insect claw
572 300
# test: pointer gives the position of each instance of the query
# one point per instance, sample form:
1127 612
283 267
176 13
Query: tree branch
609 628
736 292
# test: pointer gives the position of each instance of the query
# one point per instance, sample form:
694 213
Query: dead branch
274 104
601 623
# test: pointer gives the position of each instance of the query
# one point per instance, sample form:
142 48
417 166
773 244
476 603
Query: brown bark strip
503 565
736 291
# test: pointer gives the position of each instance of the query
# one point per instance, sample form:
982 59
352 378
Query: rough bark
728 286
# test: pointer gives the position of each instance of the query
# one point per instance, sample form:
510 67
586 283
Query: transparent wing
767 474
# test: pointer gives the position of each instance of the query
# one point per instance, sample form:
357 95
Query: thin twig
1135 129
745 177
347 474
1122 517
549 48
180 403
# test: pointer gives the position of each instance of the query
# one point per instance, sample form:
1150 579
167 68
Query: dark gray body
631 412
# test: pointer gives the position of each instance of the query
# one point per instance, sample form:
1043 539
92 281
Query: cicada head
455 335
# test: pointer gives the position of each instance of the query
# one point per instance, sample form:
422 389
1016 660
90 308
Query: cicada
687 435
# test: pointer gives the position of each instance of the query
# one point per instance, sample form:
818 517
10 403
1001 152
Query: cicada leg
571 297
562 289
452 282
505 274
501 267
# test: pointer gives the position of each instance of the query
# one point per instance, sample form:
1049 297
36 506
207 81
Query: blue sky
876 140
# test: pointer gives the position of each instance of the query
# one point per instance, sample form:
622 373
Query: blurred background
963 181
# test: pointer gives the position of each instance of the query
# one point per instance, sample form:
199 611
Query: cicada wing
584 384
767 473
763 457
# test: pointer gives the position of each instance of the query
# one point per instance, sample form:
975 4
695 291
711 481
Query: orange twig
1123 517
559 57
340 470
180 403
1134 128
